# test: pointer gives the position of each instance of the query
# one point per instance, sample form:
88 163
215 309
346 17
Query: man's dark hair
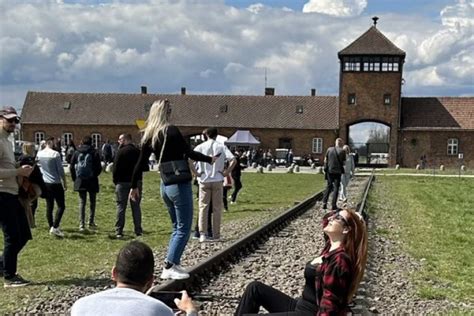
211 132
135 263
127 137
87 140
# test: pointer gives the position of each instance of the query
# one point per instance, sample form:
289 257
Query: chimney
313 92
183 90
144 90
269 91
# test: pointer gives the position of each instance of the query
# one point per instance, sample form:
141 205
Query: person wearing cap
13 218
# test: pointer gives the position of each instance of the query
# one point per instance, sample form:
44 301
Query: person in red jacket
331 279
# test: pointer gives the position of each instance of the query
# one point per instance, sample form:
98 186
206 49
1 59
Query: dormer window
147 107
299 109
67 105
223 108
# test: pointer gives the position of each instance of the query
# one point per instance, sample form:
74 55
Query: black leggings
258 295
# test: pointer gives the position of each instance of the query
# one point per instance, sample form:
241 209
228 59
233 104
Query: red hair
355 245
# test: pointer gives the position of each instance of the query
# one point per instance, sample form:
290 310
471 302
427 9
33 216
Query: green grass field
427 171
436 218
81 258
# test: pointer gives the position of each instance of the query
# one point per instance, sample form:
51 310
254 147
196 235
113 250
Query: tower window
387 99
351 99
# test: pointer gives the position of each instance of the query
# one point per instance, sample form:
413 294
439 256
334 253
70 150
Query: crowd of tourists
331 278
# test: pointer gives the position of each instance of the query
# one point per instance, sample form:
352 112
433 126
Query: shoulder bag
174 171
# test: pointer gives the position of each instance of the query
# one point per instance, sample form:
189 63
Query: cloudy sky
224 46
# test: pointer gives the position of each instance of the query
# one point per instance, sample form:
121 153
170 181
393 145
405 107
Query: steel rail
362 204
204 271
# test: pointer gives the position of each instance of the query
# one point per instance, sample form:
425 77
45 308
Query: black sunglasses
13 120
339 217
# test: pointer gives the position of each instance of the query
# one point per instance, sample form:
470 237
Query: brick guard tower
370 87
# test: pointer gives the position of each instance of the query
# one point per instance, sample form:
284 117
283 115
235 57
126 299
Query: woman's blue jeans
179 201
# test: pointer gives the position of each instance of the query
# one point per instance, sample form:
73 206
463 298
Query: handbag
174 171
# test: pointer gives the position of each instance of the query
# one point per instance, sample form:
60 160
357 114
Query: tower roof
372 42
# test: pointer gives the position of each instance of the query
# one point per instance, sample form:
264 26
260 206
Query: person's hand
65 187
185 303
214 158
317 260
134 194
225 173
24 171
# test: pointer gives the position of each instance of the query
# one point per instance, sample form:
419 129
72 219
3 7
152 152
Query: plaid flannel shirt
333 284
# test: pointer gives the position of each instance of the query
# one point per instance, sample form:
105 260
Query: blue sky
224 46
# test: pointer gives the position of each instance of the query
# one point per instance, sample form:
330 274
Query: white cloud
256 8
336 7
208 73
210 47
43 45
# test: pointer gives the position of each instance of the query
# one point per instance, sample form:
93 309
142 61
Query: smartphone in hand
167 297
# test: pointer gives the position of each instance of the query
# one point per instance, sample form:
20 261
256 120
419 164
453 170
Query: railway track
238 261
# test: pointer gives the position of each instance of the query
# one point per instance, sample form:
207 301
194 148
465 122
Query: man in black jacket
85 169
334 168
126 157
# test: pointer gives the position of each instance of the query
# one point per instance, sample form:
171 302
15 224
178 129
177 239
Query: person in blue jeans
167 142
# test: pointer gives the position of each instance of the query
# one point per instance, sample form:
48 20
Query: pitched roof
431 113
319 112
372 42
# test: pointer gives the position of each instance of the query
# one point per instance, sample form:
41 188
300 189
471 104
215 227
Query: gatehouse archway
370 141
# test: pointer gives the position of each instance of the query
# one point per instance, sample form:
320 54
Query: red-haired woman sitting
331 279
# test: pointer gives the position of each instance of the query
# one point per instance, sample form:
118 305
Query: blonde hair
28 149
346 148
156 122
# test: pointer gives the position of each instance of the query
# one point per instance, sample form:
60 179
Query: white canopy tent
242 138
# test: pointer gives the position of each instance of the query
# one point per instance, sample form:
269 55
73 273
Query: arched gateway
371 141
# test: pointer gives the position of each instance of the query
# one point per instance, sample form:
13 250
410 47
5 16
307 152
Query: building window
453 145
39 136
284 143
317 146
67 137
351 99
299 109
96 140
387 99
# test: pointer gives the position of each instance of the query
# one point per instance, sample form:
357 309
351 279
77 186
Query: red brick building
370 114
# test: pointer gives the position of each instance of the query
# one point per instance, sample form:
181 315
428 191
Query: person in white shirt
349 168
133 273
53 172
211 178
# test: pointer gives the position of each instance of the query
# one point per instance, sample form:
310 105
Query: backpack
84 165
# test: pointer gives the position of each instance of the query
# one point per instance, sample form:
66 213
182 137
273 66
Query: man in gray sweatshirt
13 219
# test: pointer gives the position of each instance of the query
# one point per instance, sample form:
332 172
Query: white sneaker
175 273
56 231
202 238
